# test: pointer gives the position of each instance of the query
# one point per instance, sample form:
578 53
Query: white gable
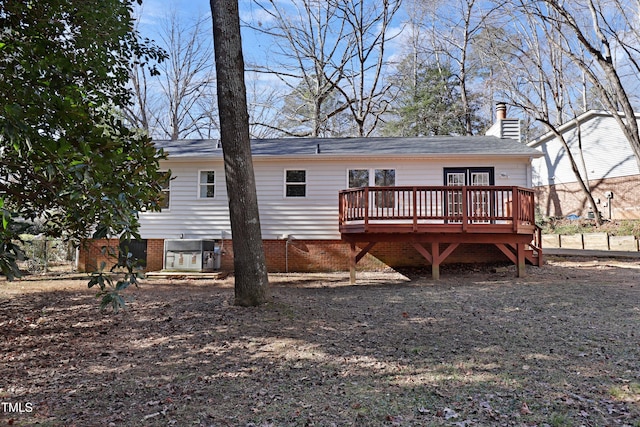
605 152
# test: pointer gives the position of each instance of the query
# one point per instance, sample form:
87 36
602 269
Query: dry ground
560 347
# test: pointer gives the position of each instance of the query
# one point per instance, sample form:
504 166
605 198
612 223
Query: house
606 162
308 224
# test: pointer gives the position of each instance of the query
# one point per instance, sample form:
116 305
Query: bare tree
311 49
589 35
533 78
177 101
367 94
456 25
187 80
331 56
251 280
139 112
261 98
453 27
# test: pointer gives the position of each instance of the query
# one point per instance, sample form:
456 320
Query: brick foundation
564 199
92 253
305 255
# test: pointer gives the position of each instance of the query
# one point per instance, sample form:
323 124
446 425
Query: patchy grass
560 347
614 228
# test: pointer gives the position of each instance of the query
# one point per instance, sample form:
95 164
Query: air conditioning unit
191 255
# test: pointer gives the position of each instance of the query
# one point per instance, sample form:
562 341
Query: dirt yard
560 347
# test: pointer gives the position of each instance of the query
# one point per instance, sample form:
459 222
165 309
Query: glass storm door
480 200
454 198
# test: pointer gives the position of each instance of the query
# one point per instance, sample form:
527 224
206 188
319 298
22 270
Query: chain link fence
44 255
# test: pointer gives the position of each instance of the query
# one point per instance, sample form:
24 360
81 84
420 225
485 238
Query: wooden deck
442 217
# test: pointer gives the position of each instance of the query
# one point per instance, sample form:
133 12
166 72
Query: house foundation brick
564 199
303 255
155 254
93 252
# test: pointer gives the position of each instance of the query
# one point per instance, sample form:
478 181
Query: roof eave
572 124
327 156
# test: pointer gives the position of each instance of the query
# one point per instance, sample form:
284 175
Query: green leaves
67 159
10 251
124 273
5 215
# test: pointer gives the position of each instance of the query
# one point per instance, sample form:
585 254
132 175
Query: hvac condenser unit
191 255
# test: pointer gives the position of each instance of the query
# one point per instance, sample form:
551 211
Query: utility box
191 255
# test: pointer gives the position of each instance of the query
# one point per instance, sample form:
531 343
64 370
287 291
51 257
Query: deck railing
459 205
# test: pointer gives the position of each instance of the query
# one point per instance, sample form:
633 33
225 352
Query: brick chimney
501 111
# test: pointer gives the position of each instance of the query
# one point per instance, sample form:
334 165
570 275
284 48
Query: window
381 177
165 191
377 178
468 176
295 183
358 178
207 184
385 177
480 200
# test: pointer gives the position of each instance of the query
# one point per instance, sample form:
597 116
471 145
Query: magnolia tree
66 158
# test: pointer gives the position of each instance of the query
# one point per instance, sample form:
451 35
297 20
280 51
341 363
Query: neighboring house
298 185
606 163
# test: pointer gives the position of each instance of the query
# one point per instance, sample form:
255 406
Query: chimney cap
501 110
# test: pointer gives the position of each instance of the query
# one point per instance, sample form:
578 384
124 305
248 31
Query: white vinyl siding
605 154
312 217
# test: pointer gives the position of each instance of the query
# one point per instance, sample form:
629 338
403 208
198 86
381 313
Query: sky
154 11
255 47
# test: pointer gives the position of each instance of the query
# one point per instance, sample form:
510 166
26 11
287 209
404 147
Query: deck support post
435 265
520 254
355 256
436 257
352 263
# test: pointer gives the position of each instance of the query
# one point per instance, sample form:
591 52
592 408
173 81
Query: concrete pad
623 243
571 241
596 241
550 240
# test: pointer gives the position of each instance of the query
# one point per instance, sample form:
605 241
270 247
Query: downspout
286 254
287 238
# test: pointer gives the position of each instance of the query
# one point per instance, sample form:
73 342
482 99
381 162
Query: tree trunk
251 280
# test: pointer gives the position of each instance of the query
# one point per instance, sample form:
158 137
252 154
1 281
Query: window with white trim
165 191
480 200
295 182
358 178
371 177
375 178
207 185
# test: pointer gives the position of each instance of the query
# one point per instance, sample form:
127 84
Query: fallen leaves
464 352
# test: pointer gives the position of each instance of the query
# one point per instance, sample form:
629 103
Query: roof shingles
372 146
